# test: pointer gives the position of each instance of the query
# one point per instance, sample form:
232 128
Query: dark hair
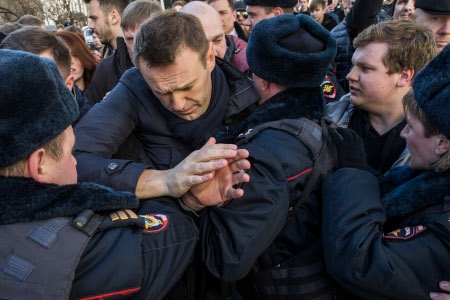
30 20
137 12
10 27
37 40
411 45
160 39
75 29
108 5
230 3
80 50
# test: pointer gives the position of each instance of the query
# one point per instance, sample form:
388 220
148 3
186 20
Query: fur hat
272 3
431 88
434 7
35 104
295 51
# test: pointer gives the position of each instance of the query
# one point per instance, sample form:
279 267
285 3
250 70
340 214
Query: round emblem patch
155 223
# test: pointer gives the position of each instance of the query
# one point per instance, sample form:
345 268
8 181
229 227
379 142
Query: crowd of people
227 149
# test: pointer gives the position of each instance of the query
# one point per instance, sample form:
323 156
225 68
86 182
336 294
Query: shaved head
212 24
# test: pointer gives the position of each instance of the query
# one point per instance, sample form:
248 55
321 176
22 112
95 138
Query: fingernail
434 295
445 284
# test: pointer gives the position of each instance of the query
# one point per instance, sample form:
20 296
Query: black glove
350 148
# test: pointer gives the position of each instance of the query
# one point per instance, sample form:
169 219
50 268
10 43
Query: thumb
210 142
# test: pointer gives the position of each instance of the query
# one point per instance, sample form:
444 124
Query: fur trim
431 88
415 190
25 200
35 106
304 65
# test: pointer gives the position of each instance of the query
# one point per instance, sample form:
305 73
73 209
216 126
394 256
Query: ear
70 81
210 57
277 11
114 17
234 15
37 166
406 77
442 145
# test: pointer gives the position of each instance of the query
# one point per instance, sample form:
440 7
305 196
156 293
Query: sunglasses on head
242 13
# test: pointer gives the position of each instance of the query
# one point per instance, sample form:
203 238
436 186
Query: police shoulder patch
405 233
155 223
328 88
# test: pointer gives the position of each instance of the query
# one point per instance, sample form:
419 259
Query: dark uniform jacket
108 72
396 248
253 232
127 257
165 139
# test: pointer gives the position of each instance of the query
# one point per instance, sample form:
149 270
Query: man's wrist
190 201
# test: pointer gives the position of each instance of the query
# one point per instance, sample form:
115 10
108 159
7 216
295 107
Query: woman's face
421 148
404 9
76 69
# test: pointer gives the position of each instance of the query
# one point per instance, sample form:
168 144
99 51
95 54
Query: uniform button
113 166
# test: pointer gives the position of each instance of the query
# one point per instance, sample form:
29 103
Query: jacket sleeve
356 254
234 236
100 133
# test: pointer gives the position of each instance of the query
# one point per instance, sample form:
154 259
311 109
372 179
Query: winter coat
124 257
163 139
394 248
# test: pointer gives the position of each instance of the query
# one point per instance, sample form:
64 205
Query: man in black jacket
64 240
174 100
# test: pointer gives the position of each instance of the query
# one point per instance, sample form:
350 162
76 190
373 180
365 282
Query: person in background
10 27
241 16
379 248
303 7
435 14
30 20
83 62
227 47
45 44
318 13
403 9
178 5
98 44
227 13
59 27
389 53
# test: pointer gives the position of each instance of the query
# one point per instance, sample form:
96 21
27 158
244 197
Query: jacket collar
25 200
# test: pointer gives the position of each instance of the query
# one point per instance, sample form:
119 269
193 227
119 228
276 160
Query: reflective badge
328 88
405 233
155 223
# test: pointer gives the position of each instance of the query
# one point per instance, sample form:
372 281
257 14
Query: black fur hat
35 104
289 50
272 3
431 88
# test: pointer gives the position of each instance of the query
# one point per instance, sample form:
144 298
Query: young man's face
372 88
184 88
129 34
99 23
439 25
404 9
318 14
256 14
227 14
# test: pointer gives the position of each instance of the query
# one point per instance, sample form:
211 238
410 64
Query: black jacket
165 139
253 232
121 258
396 248
108 72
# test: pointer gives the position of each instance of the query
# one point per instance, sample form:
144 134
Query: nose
248 22
352 75
403 132
178 101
